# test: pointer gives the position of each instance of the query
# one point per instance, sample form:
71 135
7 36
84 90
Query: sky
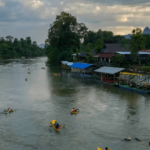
23 18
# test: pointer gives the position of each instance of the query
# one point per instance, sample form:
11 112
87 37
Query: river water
106 115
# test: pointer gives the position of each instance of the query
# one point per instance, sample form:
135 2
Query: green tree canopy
64 36
137 43
117 60
10 48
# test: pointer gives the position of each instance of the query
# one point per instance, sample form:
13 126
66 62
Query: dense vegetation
14 48
66 36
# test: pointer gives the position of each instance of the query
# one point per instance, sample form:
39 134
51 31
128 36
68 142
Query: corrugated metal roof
69 63
112 48
105 55
64 62
128 53
109 70
80 65
83 54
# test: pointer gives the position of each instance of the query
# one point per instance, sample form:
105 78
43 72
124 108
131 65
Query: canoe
74 112
98 148
52 123
55 74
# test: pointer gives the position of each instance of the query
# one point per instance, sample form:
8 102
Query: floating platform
82 76
135 89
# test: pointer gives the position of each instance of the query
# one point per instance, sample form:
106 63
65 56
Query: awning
109 70
129 73
128 53
64 62
80 65
69 63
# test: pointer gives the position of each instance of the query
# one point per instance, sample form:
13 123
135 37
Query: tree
108 36
9 38
99 45
137 43
117 60
64 36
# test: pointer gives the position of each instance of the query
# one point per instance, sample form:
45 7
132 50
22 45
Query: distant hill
128 36
146 30
42 45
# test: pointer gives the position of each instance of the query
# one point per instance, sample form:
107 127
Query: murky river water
107 114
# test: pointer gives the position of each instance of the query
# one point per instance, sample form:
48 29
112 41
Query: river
106 115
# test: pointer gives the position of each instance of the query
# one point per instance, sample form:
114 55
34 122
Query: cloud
21 18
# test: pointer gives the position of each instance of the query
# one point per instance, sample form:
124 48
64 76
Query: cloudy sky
22 18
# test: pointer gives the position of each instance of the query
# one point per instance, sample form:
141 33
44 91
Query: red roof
148 51
105 55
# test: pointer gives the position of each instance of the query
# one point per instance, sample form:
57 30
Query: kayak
98 148
11 110
52 123
6 111
56 74
74 112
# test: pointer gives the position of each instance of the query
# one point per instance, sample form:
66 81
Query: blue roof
80 65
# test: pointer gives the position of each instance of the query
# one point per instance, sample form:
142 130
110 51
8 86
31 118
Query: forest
11 47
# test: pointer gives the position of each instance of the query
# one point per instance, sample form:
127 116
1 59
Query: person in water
74 110
9 110
56 125
106 148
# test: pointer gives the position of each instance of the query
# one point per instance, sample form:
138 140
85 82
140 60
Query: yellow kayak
55 74
98 148
11 110
73 111
52 123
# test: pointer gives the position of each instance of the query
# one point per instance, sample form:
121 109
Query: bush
143 68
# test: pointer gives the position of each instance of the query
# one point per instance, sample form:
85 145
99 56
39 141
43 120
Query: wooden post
107 78
114 78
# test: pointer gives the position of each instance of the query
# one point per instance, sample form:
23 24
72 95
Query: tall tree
64 35
137 43
99 45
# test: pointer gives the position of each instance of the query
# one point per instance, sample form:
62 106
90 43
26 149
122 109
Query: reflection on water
106 115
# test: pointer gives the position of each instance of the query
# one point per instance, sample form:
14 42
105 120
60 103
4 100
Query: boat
52 123
98 148
74 112
11 111
6 111
55 74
